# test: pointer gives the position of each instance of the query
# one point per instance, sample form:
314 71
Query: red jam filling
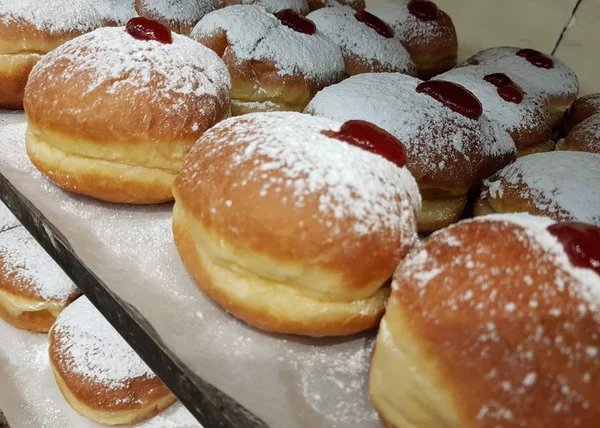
507 89
371 138
424 10
296 22
375 23
581 242
453 96
147 29
536 58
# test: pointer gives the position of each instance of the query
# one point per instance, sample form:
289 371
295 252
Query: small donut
493 322
31 28
341 213
581 109
277 62
523 115
116 12
534 72
300 6
564 186
450 144
585 137
111 115
426 32
178 15
367 43
33 289
354 4
98 373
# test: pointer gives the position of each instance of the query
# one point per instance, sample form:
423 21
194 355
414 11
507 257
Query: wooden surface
569 28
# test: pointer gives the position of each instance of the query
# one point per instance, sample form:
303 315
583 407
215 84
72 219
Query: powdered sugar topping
118 11
587 134
563 185
92 348
358 40
54 16
272 6
256 35
188 12
7 218
24 258
351 182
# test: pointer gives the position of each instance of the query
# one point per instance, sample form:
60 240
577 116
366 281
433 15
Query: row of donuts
99 375
304 62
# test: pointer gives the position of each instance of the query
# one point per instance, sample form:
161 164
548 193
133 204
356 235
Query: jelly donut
493 322
33 289
112 113
367 43
561 185
534 72
354 4
31 28
451 146
116 12
523 115
341 212
277 62
98 373
581 109
299 6
178 15
585 137
426 32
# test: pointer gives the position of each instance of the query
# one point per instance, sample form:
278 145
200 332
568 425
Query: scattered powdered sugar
188 12
118 11
256 35
564 185
28 260
530 113
272 6
406 26
358 40
351 181
92 348
422 124
111 55
587 133
54 16
559 81
7 219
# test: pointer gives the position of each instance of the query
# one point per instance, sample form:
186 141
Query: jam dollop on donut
453 96
373 139
424 10
536 58
581 242
507 89
375 23
147 29
296 22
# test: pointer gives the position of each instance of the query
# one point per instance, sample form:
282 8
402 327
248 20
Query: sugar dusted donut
493 322
450 145
111 115
289 226
31 28
563 185
98 373
33 289
178 15
522 114
300 6
585 137
534 72
277 62
427 33
581 109
354 4
367 43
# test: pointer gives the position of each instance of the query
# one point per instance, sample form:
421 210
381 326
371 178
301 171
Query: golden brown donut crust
581 109
509 347
585 137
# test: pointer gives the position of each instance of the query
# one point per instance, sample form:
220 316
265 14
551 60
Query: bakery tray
226 373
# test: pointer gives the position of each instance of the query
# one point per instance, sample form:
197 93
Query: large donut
178 15
493 322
